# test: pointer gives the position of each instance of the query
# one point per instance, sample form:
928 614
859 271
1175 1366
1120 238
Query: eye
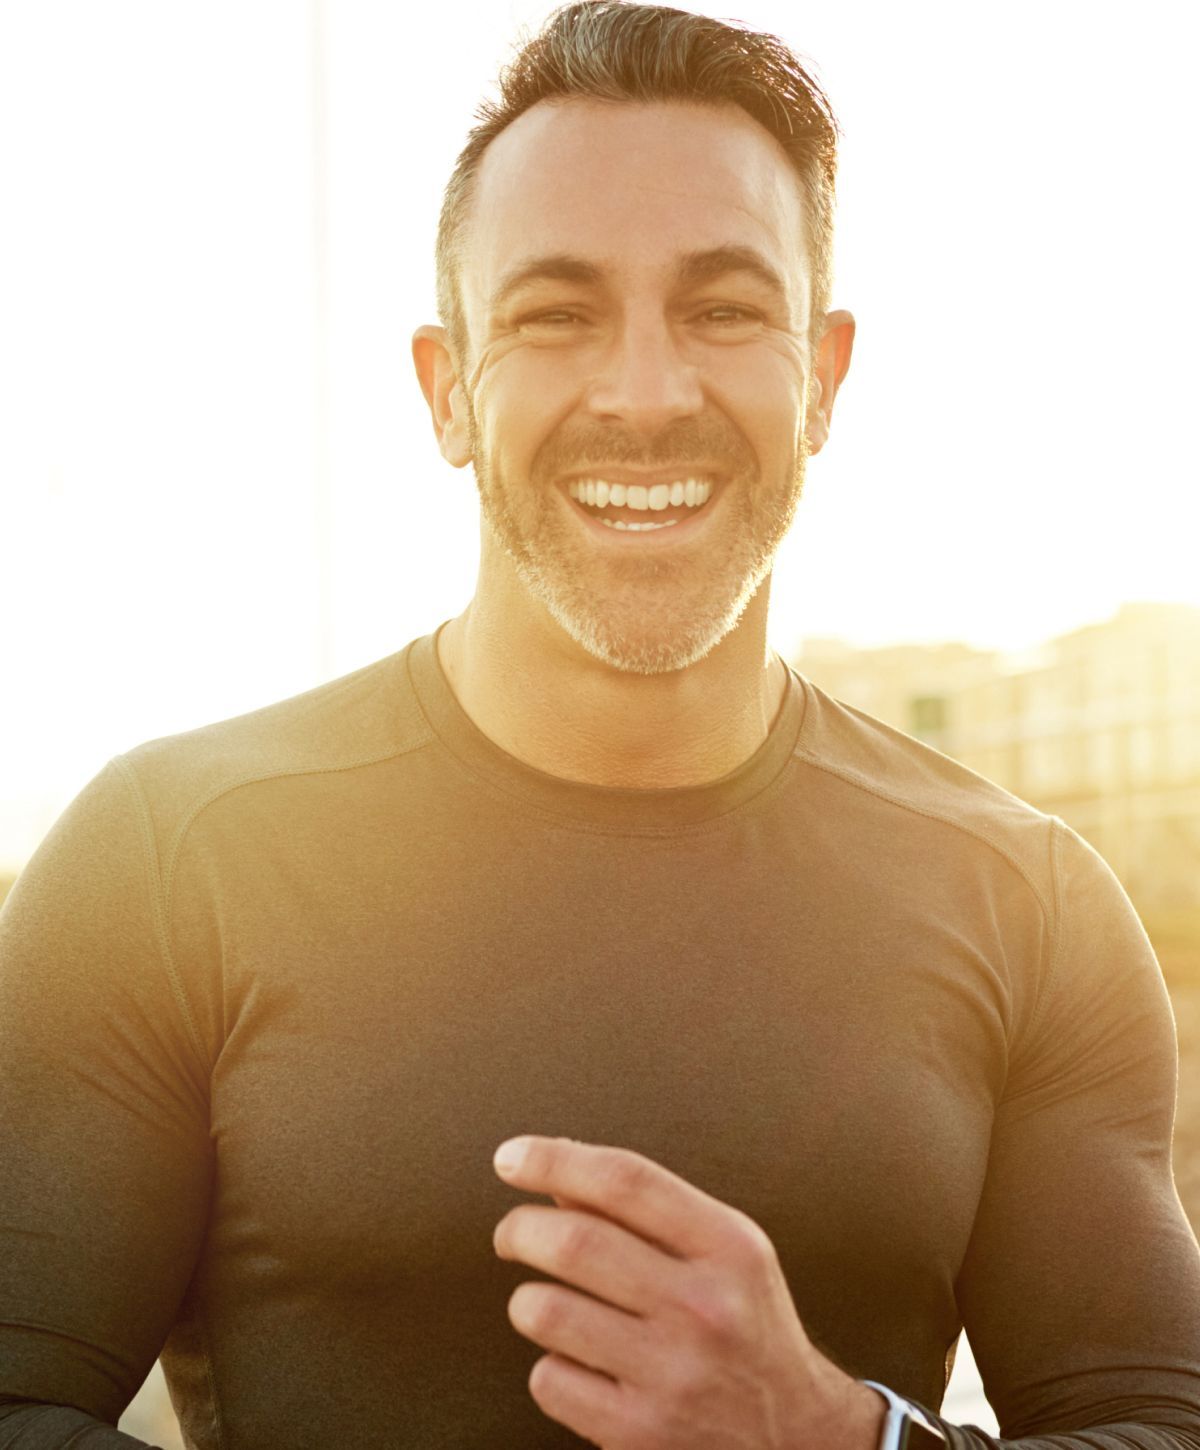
729 314
559 318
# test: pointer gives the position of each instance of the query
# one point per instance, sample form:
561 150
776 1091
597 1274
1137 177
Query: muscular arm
103 1129
1080 1290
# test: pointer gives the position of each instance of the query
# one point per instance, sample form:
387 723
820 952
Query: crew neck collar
598 806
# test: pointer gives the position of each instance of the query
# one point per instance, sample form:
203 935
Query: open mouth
641 508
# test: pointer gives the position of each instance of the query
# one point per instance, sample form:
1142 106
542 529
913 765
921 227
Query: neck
534 692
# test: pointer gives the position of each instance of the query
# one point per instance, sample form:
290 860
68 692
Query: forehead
630 185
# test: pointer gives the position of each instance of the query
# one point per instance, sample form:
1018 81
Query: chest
823 1061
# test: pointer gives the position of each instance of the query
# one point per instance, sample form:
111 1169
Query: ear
831 366
444 394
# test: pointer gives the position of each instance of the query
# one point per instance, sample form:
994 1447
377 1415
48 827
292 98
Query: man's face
637 300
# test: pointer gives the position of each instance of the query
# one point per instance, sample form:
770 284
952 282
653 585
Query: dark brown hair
626 52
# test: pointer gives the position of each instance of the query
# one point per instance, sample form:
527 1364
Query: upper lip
678 474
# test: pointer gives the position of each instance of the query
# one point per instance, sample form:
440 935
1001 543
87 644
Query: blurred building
1100 727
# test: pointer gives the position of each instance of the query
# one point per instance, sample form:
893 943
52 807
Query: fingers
590 1253
585 1402
597 1336
626 1187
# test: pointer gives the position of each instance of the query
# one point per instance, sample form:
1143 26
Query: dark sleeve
28 1426
103 1127
1080 1289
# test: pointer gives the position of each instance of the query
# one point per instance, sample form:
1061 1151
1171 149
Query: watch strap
905 1426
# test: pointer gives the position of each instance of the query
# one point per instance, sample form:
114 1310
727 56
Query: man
823 1047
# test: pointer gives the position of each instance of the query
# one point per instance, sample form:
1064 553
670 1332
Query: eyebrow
692 269
556 268
699 267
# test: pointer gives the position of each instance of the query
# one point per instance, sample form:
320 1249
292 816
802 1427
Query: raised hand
673 1328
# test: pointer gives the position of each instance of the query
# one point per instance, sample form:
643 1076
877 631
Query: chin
639 616
648 644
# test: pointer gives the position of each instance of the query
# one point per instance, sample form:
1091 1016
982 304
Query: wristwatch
905 1427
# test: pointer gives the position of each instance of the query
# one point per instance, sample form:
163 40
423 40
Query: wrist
866 1419
854 1418
905 1425
839 1412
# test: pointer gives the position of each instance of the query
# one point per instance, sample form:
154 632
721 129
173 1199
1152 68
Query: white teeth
637 528
598 493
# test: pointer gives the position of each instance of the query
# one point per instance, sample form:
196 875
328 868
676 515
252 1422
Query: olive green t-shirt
273 991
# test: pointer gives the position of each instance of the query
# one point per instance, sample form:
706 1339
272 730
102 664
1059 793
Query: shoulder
358 720
1086 957
901 781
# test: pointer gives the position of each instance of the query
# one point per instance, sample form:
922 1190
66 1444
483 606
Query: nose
644 381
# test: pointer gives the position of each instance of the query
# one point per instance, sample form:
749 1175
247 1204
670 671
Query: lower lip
665 536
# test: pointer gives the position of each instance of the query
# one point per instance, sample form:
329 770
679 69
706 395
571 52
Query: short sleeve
103 1116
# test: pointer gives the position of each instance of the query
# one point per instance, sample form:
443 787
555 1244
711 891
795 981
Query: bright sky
219 484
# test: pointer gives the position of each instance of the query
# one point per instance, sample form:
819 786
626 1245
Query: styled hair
626 52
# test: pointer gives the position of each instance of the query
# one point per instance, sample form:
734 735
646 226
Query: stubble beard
642 615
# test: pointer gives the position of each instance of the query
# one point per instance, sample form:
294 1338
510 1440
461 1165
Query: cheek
768 405
523 399
505 426
783 376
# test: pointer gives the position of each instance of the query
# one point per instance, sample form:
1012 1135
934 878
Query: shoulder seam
157 900
165 875
870 788
1049 909
1056 927
255 778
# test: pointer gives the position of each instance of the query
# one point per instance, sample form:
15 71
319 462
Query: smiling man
813 1047
638 373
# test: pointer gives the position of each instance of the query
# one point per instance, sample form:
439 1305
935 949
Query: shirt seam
614 828
258 777
163 899
574 824
944 817
1049 909
158 903
210 1375
1057 929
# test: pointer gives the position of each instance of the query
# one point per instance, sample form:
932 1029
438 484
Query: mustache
713 443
